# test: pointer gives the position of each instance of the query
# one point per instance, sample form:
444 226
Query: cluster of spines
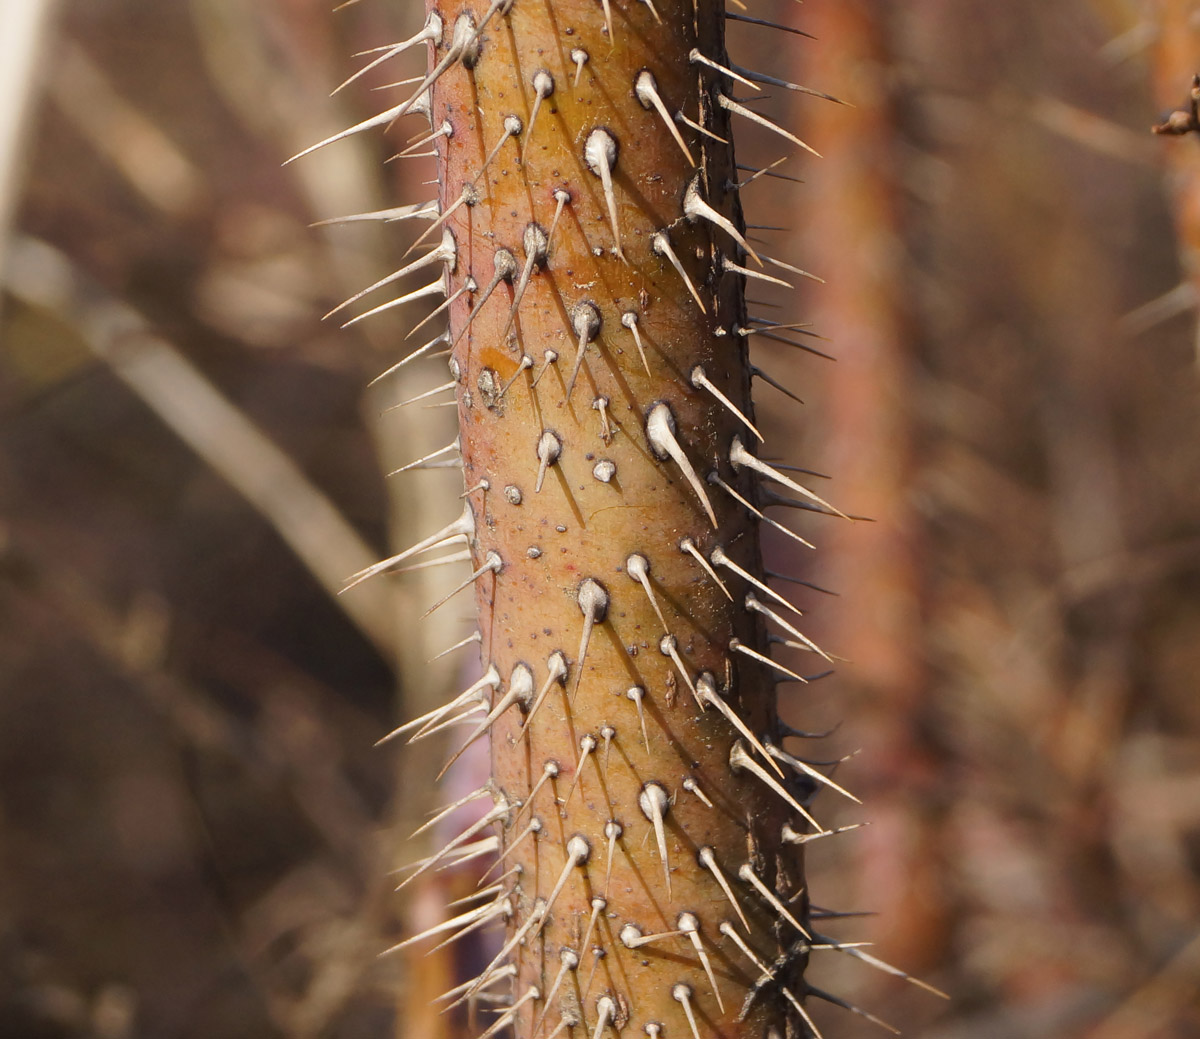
566 272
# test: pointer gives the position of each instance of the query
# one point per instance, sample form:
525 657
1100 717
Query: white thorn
739 758
440 815
749 506
600 153
689 546
790 835
708 860
569 961
599 904
668 646
593 603
732 106
654 803
692 787
690 926
728 265
504 266
463 527
507 971
455 557
520 690
754 606
737 646
631 936
445 130
512 128
483 912
721 558
660 431
537 914
630 320
550 770
467 197
637 694
637 566
585 322
746 873
492 563
484 821
556 666
473 692
612 832
418 210
535 826
696 58
578 852
706 693
467 286
661 244
606 1006
549 447
579 57
600 404
682 993
645 89
587 744
543 87
419 352
434 288
423 396
536 244
505 1019
739 456
699 128
548 358
701 381
695 208
475 636
432 31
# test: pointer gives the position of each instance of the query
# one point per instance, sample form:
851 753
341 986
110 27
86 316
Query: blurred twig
186 401
23 27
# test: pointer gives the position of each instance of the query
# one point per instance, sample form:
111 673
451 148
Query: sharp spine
739 456
732 106
660 432
461 529
593 603
661 245
739 758
654 803
754 606
549 448
720 557
600 154
707 695
746 873
630 320
492 563
645 89
689 925
708 859
585 322
696 208
701 381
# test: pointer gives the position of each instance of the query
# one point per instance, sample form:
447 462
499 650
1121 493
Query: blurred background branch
195 832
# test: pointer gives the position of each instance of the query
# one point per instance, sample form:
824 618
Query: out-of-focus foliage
195 832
